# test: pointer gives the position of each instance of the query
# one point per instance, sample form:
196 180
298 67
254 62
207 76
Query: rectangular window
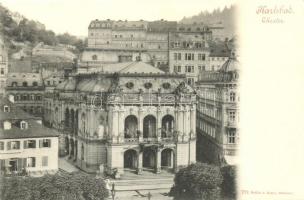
232 116
31 162
179 68
2 71
13 145
201 56
1 145
45 161
231 136
44 143
30 144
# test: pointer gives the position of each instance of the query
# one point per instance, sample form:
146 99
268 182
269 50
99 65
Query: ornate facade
129 119
218 114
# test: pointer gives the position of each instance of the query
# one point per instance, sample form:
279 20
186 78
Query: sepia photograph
132 100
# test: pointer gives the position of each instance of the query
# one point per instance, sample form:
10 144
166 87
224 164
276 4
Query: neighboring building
125 116
219 54
189 52
218 114
28 90
218 31
46 50
26 147
3 66
124 41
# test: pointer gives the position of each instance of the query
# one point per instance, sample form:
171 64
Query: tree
197 181
229 181
64 187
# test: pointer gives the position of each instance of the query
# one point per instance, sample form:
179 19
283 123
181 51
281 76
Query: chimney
11 98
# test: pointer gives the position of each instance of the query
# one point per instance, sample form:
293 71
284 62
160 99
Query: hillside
225 18
19 32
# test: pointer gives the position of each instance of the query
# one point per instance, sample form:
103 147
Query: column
115 124
158 161
140 123
193 119
158 124
175 167
187 121
139 162
180 121
121 121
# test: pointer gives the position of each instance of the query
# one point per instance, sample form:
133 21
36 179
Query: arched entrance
67 118
167 158
72 120
67 145
130 159
72 147
167 126
149 127
149 158
131 125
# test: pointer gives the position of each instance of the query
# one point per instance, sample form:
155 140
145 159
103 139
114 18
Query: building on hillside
219 54
124 41
125 116
218 114
3 67
28 90
46 50
26 147
189 52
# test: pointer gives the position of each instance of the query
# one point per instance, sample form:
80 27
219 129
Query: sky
74 16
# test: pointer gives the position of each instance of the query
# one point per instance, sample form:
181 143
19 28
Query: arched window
14 84
24 84
35 83
167 126
149 126
131 126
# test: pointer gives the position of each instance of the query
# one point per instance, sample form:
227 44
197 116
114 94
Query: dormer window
7 125
6 109
23 125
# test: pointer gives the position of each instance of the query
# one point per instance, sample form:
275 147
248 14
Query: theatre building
126 116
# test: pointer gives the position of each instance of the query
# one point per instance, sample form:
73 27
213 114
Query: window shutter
34 162
25 144
40 143
19 164
50 142
2 165
8 145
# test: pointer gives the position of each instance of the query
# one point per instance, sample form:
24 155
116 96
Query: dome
231 65
94 85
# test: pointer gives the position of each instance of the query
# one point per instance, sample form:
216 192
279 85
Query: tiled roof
15 112
15 116
218 49
34 130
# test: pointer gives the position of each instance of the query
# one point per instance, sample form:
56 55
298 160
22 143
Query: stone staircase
130 181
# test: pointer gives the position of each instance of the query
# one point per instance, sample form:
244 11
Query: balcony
131 140
231 123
